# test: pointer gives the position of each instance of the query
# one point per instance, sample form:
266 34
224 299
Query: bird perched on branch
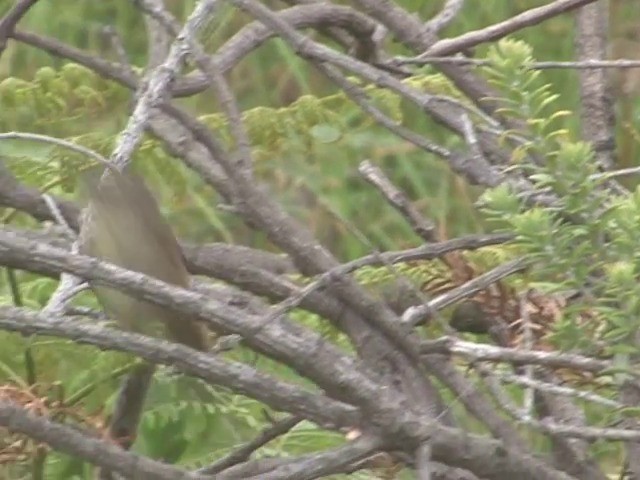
124 226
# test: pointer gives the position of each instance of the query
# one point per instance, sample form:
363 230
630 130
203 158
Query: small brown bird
125 227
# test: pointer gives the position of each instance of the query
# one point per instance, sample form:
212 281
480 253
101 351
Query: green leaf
325 133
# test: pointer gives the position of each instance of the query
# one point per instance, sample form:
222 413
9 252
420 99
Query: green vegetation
307 141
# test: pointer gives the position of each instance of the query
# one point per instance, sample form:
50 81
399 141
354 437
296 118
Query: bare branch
241 44
244 452
558 390
330 366
159 82
416 315
324 463
484 352
525 19
212 71
98 452
235 376
477 403
422 226
425 252
107 69
15 195
445 16
423 460
596 99
587 64
36 137
330 369
11 19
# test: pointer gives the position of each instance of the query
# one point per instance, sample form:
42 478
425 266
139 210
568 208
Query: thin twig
424 252
69 285
423 461
527 327
57 215
120 51
36 137
445 16
324 463
396 198
484 352
209 66
557 389
496 31
10 20
238 377
244 452
99 452
416 315
549 426
500 395
359 96
622 172
477 62
159 82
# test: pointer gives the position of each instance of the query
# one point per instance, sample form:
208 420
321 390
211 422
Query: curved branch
111 70
99 452
531 17
235 376
244 452
11 19
13 194
229 55
252 36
